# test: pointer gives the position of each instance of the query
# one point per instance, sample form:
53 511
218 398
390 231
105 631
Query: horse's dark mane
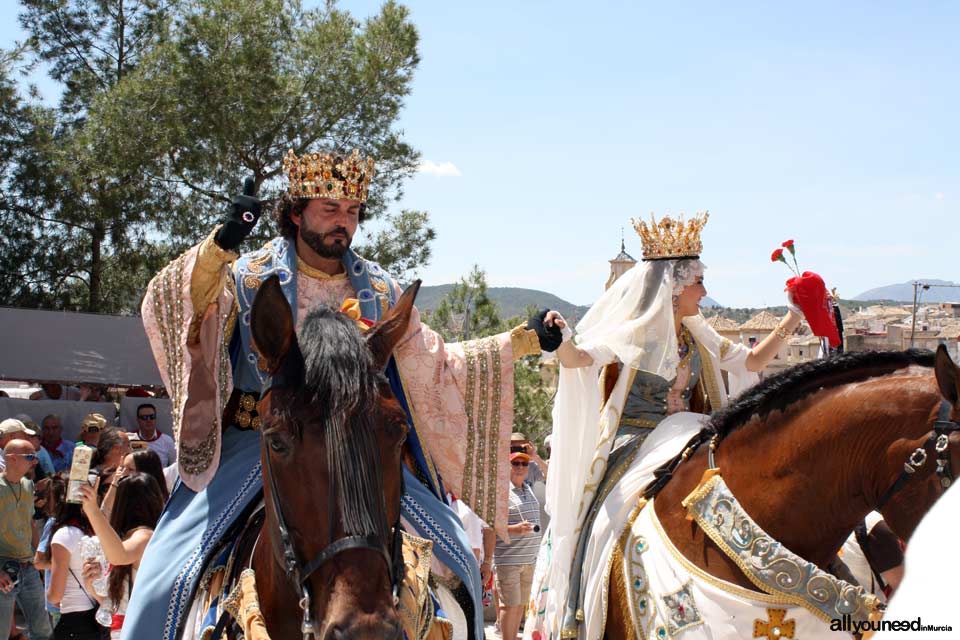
340 391
784 388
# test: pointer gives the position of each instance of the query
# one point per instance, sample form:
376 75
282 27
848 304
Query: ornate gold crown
669 238
323 175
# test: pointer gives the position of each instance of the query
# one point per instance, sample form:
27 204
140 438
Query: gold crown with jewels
325 175
671 239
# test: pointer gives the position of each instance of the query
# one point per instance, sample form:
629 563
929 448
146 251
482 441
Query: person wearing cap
20 581
538 466
12 429
44 461
515 559
90 429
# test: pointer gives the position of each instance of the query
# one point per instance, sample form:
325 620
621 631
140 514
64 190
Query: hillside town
877 327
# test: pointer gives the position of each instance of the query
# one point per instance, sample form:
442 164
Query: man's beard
314 240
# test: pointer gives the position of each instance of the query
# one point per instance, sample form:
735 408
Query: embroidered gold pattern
256 265
709 378
482 382
168 311
725 346
471 359
317 274
493 436
380 286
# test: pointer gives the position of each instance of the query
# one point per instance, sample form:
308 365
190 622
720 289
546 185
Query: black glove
245 210
550 337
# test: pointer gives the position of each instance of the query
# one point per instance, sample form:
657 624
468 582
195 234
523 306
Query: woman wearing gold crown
655 358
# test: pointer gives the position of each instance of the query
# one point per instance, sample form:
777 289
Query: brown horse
327 560
809 452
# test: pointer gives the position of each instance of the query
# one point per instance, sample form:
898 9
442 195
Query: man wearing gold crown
214 385
658 357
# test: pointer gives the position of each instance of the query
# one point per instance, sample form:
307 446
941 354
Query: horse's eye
278 444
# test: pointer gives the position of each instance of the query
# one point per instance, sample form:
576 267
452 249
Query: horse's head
332 437
926 463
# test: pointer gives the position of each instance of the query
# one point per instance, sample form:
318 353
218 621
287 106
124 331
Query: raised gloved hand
245 210
550 336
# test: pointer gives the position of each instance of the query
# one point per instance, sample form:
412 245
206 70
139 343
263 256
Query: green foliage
401 244
467 312
166 107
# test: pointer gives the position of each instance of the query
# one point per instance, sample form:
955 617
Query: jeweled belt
767 563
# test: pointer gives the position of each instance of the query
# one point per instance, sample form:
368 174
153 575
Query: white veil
632 322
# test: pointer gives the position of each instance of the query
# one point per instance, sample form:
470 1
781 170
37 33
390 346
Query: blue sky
830 123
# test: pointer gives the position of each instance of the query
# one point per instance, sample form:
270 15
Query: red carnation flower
787 244
777 255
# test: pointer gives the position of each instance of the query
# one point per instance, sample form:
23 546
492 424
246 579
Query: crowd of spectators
131 477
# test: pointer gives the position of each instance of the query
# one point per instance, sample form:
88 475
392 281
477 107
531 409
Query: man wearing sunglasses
161 443
19 580
12 429
515 560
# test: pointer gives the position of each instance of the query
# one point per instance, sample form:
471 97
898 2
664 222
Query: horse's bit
301 574
940 439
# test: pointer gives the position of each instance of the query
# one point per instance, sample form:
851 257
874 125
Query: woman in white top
137 506
77 605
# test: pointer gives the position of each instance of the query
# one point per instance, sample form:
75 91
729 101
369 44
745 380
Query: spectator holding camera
515 560
538 466
19 580
65 590
124 536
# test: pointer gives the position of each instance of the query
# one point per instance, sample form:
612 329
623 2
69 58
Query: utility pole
913 324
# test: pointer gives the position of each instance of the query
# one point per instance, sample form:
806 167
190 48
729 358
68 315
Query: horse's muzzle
365 627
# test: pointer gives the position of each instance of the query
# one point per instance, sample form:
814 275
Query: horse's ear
383 336
948 375
271 324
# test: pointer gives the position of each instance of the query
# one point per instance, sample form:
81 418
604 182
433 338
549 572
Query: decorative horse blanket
669 597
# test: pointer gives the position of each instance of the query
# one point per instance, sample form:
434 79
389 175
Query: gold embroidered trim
725 346
493 431
468 485
380 286
608 570
709 376
483 380
313 272
638 422
168 310
256 265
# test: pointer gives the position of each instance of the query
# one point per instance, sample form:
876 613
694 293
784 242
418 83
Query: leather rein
940 441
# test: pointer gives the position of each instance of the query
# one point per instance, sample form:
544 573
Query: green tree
234 84
467 313
166 107
81 230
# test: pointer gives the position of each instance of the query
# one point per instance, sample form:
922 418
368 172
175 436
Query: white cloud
439 169
939 195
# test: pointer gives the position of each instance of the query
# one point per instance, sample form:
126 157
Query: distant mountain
513 301
904 292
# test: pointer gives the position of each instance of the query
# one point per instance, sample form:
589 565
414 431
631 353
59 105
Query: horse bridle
300 575
940 440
